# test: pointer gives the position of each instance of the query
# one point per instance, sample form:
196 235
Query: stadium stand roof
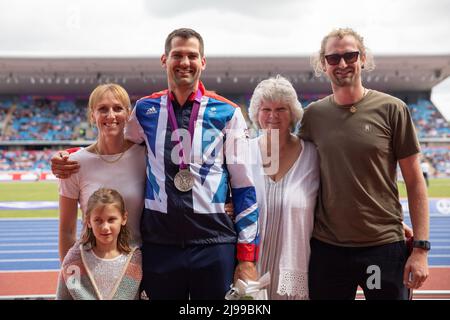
227 75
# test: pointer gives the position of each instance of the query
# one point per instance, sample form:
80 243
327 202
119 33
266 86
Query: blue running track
32 244
29 244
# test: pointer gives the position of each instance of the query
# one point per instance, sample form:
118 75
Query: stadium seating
59 118
428 120
25 160
45 119
65 119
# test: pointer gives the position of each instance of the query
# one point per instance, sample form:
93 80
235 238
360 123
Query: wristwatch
422 244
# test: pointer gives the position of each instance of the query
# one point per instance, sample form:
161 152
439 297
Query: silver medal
184 181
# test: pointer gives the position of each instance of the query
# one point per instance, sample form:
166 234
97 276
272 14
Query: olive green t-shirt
358 203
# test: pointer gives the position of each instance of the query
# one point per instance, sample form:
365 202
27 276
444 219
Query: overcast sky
230 27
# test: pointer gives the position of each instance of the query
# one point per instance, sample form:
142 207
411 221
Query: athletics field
29 241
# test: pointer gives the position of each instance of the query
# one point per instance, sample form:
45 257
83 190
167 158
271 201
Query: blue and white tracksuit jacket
217 162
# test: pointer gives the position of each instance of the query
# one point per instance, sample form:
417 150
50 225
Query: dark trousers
335 272
200 272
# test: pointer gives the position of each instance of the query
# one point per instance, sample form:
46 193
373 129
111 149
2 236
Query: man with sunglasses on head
361 135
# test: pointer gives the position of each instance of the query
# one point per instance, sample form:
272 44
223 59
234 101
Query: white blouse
286 222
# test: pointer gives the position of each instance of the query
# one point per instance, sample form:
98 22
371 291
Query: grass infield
48 191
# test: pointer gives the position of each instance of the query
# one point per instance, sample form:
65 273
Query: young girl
102 266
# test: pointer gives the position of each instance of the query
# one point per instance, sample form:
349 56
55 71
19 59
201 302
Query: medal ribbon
193 118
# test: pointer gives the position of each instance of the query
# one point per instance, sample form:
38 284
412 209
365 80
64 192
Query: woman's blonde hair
318 59
279 90
98 200
116 90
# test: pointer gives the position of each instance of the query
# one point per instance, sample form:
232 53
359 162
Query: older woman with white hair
286 177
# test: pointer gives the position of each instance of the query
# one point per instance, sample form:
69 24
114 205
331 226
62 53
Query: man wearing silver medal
184 181
361 135
191 247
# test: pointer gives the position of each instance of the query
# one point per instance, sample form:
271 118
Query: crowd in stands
439 158
25 160
37 118
32 160
63 118
428 120
44 119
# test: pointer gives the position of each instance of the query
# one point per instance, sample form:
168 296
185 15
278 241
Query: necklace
353 107
106 160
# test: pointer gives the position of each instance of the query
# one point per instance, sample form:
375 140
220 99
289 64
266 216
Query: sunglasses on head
349 57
